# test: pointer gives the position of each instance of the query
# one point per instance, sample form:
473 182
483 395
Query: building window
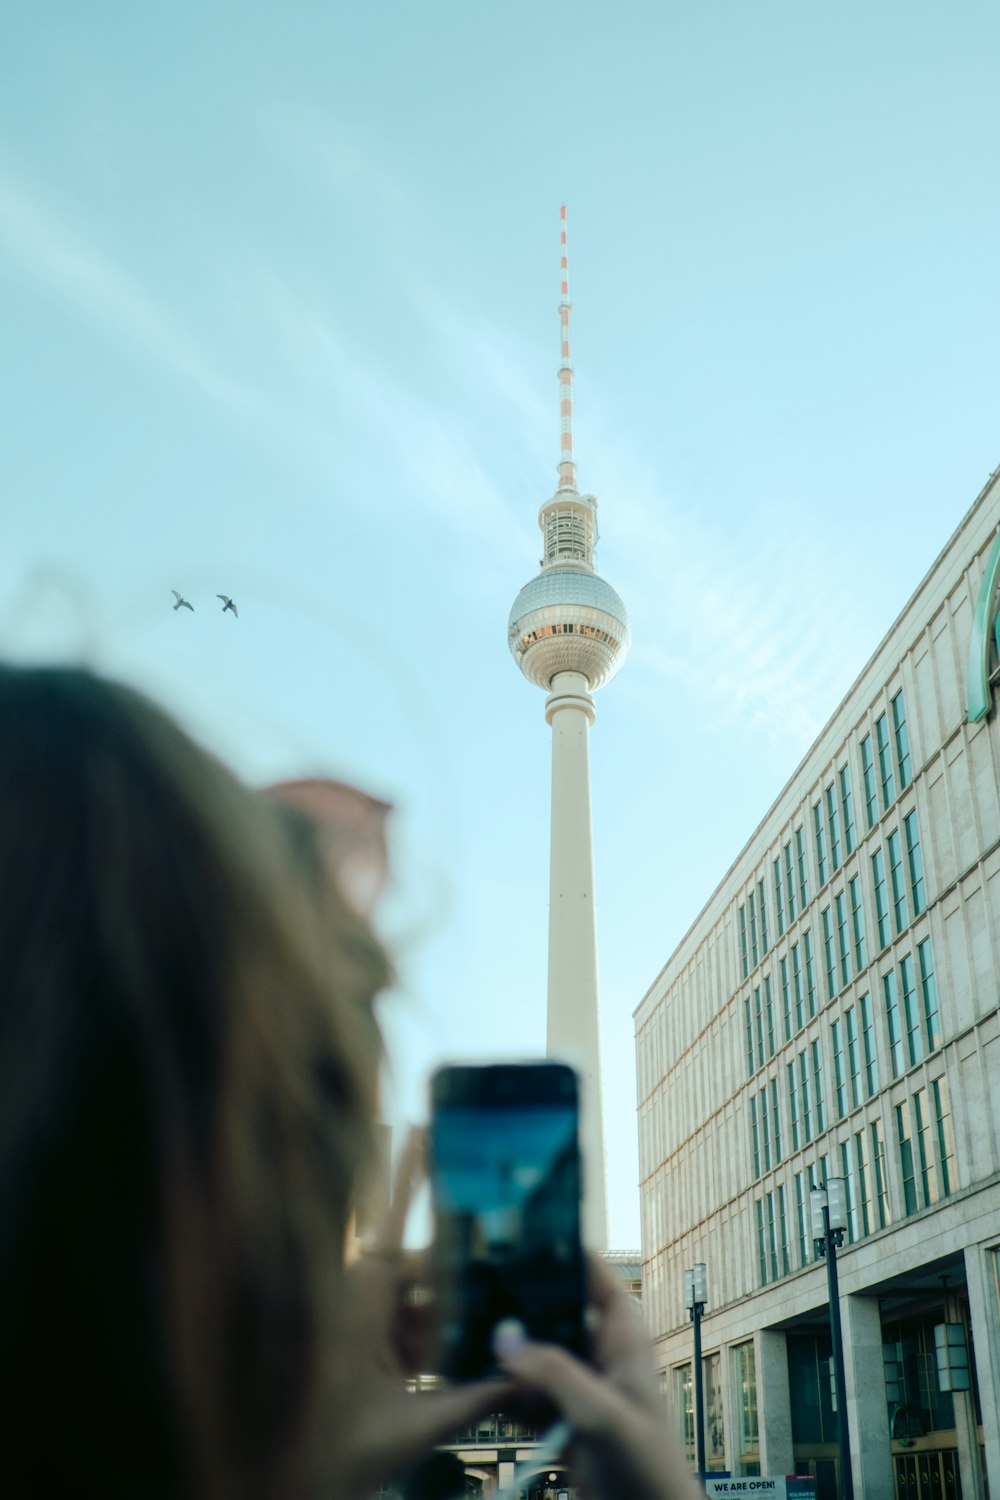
915 863
772 1237
822 867
858 924
786 1265
891 993
765 1130
850 1193
868 771
761 1243
807 1103
880 1182
793 1106
881 898
853 1058
749 1037
790 881
754 1136
925 1148
762 900
817 1061
807 948
866 1206
945 1137
847 808
868 1042
843 938
902 741
833 825
898 880
745 1381
911 1013
684 1409
754 947
887 778
775 1121
906 1166
786 997
744 951
797 984
769 1012
932 1016
839 1076
758 1015
779 897
800 858
801 1220
831 968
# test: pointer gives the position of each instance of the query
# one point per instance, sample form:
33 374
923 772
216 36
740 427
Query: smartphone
506 1182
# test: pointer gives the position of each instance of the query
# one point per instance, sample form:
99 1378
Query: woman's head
187 1074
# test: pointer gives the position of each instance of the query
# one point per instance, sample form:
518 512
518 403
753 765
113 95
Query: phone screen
505 1182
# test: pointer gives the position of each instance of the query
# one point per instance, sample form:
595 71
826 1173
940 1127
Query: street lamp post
695 1297
829 1220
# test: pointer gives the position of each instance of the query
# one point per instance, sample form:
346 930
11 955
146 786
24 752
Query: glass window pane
847 807
800 856
945 1137
868 1041
881 898
911 1011
891 993
858 924
887 777
828 955
925 1148
898 881
843 937
902 741
853 1057
822 866
868 771
833 825
906 1164
916 865
928 984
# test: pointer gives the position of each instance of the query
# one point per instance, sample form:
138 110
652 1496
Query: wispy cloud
743 620
41 245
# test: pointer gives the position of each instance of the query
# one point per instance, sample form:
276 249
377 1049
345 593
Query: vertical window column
916 865
868 774
881 898
822 867
887 779
902 736
847 808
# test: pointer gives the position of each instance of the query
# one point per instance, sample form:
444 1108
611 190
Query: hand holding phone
504 1166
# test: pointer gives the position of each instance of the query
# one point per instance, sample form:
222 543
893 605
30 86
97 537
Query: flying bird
227 603
182 603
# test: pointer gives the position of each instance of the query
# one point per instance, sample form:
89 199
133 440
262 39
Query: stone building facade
833 1011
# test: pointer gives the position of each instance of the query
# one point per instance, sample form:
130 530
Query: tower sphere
568 620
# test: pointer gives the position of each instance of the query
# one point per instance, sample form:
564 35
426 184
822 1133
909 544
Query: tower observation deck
568 633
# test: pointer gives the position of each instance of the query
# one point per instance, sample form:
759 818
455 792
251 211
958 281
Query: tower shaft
573 1033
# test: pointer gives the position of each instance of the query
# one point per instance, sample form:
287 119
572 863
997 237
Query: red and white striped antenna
567 468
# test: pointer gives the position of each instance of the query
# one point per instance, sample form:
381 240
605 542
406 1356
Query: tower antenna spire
567 467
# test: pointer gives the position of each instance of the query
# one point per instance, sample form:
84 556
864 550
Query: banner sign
774 1487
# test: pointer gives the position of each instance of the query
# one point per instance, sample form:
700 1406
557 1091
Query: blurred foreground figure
187 1075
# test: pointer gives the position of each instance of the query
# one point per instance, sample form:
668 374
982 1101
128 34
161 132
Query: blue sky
278 290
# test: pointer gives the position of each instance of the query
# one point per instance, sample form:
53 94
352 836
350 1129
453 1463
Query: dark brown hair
187 1075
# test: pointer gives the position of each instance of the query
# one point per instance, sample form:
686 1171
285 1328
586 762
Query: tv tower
568 632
